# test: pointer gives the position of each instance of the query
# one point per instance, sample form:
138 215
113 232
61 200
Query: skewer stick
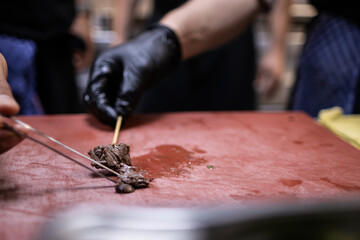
117 129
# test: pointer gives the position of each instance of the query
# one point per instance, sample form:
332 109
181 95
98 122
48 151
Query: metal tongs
9 127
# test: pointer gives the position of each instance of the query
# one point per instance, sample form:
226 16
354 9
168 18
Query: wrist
171 48
171 39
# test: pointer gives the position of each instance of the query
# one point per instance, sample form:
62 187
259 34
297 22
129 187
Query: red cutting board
196 159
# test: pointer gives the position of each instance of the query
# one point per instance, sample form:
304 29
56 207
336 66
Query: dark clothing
36 20
348 9
329 67
161 7
220 79
46 23
20 58
56 84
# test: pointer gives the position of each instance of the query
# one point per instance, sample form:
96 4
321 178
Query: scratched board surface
195 159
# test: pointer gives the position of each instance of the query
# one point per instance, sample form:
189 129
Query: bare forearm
279 23
204 24
122 18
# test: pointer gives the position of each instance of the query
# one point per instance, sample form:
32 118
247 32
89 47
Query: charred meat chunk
117 157
129 175
123 187
111 155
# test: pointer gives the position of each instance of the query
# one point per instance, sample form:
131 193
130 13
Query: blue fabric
20 58
329 68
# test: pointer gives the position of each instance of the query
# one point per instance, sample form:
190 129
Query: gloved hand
120 74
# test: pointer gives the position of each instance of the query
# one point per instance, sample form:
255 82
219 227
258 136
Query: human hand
82 56
8 106
120 74
269 73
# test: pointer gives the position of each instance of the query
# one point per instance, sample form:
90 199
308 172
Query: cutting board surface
195 159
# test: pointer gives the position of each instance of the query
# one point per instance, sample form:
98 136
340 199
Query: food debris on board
116 156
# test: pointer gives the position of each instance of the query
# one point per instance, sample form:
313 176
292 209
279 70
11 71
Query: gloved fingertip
86 99
107 115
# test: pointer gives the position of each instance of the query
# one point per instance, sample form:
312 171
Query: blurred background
301 12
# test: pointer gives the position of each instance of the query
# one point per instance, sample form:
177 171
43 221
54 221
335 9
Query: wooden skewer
117 129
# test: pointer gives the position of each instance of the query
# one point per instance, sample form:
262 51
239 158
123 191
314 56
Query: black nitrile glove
120 74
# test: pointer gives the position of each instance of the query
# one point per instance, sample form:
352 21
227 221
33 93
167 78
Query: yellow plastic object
345 126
